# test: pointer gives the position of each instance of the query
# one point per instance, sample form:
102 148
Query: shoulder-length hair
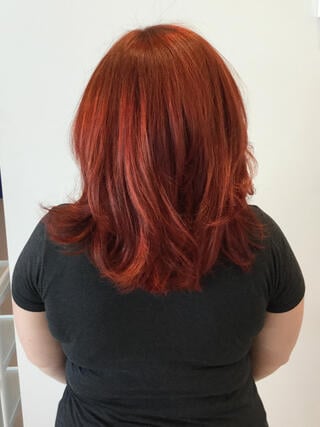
160 136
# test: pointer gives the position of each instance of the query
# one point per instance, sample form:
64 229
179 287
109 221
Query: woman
160 296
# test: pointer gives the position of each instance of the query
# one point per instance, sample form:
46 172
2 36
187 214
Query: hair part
160 136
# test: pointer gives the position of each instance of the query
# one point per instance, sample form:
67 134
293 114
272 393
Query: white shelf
4 265
10 395
1 415
7 335
9 377
7 339
4 280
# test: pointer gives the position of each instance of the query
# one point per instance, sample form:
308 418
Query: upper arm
28 304
285 299
41 348
279 335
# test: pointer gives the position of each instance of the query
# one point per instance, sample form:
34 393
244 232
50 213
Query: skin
272 347
40 347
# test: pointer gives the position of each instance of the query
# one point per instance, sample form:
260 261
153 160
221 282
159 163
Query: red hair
160 136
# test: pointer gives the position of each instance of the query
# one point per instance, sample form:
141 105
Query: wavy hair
160 136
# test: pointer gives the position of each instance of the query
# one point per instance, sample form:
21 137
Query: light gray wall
49 50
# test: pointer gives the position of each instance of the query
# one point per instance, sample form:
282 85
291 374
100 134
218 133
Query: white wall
48 51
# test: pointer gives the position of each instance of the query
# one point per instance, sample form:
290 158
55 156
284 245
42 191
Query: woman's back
141 359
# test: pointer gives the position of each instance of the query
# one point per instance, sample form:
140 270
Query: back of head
160 137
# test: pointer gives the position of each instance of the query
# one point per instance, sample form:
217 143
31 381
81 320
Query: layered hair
160 136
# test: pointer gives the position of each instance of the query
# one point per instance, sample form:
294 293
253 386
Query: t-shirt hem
27 306
287 307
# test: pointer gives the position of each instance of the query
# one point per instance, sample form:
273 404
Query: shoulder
274 230
262 214
38 241
45 221
277 243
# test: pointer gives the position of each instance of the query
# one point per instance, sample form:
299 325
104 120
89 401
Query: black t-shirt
149 360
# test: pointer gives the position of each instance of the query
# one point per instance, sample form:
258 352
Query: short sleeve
27 272
288 286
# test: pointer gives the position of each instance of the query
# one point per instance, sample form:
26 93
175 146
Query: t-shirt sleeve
27 272
288 286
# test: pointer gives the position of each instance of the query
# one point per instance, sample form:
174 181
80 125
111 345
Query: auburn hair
160 136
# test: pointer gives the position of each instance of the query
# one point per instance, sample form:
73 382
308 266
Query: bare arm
39 345
272 347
